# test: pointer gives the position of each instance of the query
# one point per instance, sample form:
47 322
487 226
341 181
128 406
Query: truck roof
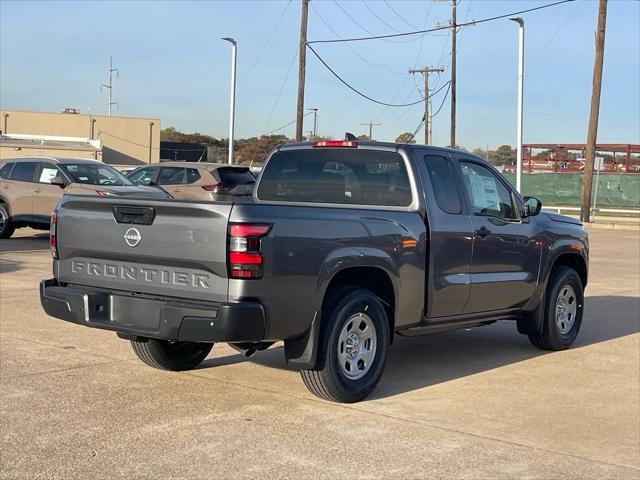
368 144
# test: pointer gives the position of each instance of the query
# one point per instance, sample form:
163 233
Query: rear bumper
146 316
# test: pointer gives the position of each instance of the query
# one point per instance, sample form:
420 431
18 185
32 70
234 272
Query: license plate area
124 311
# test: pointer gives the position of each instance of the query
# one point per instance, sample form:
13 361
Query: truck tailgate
157 247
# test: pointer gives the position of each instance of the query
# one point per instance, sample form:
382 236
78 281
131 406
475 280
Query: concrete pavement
482 403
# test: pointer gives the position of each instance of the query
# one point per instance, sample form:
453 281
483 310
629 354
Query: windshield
95 174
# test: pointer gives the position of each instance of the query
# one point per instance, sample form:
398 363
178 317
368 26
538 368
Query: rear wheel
564 305
352 348
169 355
6 225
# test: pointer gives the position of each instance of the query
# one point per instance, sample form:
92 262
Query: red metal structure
569 157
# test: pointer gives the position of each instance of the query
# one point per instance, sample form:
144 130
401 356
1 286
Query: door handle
483 232
37 191
5 186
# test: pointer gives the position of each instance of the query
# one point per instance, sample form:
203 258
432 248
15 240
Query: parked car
196 181
344 245
31 187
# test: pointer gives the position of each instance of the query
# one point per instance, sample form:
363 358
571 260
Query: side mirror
58 181
532 206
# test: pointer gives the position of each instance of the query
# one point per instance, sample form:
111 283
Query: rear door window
171 176
193 175
234 176
340 176
24 171
444 184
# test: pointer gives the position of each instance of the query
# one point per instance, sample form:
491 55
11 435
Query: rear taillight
217 188
53 234
245 258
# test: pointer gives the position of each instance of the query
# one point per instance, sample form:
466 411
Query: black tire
174 356
552 337
327 379
6 225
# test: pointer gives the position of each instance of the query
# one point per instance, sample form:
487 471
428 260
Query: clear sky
174 66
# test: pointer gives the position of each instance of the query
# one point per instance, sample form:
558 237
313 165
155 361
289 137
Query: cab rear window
352 177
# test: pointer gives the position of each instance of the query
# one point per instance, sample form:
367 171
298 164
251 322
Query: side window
24 171
5 171
488 195
193 175
444 184
171 176
142 176
48 172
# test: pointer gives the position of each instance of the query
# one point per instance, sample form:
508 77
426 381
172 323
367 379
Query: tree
362 137
405 137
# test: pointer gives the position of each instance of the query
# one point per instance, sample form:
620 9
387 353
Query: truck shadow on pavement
39 241
415 363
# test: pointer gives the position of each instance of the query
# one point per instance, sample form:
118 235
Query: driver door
46 195
506 257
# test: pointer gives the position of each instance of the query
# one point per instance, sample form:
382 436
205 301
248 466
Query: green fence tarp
564 189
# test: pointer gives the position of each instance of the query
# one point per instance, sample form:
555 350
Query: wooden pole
302 65
454 31
592 134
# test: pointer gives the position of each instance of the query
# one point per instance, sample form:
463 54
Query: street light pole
520 22
232 101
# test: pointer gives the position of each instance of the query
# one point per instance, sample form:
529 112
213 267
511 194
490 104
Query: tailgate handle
133 214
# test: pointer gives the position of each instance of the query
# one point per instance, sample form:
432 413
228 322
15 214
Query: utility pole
593 116
427 114
452 86
302 65
315 122
110 84
371 125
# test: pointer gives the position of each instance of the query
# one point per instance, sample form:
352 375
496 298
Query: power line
355 52
398 15
379 18
442 27
424 24
351 18
356 90
443 100
415 132
284 126
265 45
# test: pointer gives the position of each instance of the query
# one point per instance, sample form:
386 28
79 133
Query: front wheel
563 308
169 355
352 348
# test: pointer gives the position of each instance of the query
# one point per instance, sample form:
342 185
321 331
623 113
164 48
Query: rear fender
302 351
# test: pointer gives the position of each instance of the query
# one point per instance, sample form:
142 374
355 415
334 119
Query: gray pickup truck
342 245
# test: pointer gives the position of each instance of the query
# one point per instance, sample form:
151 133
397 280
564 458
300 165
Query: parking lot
479 403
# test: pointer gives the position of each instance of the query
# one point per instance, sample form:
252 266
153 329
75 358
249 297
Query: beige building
114 140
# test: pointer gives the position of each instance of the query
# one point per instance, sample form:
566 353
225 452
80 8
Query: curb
613 226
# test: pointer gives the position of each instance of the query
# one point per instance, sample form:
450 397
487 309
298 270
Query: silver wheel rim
357 346
566 309
2 219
